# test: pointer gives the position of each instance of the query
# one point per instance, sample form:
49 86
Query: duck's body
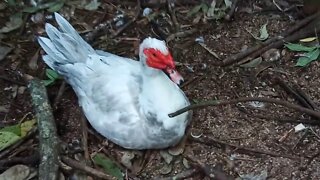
126 101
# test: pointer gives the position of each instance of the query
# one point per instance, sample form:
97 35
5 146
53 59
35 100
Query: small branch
246 99
89 170
59 95
84 128
12 81
214 142
181 34
26 160
129 22
171 5
49 165
294 93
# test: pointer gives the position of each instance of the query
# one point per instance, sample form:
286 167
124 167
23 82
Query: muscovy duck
126 101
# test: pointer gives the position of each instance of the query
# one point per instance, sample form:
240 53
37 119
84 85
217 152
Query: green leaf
51 74
194 10
48 82
26 126
30 9
228 3
299 47
12 2
108 166
56 7
308 58
93 5
263 32
14 23
7 139
13 129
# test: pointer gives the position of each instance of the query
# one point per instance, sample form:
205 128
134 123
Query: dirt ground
249 133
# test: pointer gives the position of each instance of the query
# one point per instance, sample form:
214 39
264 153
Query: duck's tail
63 45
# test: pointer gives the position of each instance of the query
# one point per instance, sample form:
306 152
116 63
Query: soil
255 126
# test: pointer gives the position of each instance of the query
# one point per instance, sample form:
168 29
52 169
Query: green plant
52 75
309 53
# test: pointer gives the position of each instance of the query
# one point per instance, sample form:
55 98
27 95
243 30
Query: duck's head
154 54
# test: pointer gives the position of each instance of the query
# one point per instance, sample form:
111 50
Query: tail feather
66 27
50 49
64 46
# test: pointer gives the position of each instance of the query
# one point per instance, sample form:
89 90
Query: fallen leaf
185 163
308 58
228 3
309 39
262 176
166 156
14 23
7 139
4 51
299 127
93 5
33 61
56 7
4 109
253 63
26 126
18 172
299 47
263 33
166 169
108 166
126 159
15 129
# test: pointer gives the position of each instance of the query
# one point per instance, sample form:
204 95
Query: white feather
124 100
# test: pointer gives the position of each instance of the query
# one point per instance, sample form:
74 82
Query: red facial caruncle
156 59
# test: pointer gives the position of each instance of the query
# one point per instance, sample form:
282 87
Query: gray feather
66 27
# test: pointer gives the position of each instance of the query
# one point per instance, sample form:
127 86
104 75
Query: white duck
126 101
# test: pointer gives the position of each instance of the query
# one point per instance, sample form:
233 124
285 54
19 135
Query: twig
194 79
273 42
59 95
214 142
209 50
180 34
246 99
84 128
13 81
27 160
49 164
171 5
183 175
129 22
230 14
89 170
280 119
290 90
305 97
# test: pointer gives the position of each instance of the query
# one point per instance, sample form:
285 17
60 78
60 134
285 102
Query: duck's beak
174 75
